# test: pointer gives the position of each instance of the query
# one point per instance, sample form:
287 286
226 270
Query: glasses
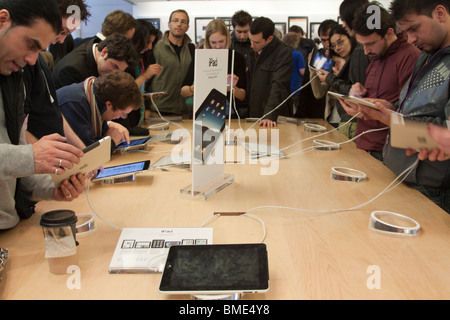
185 22
339 43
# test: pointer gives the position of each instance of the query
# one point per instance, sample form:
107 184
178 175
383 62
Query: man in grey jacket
426 96
174 53
26 27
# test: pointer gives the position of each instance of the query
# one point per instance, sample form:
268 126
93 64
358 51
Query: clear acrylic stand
208 190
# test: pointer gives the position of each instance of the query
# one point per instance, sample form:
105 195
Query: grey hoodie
17 161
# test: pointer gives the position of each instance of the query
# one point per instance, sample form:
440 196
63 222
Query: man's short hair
120 48
118 22
179 10
361 27
399 8
241 18
26 12
348 8
326 26
264 25
119 88
297 29
63 5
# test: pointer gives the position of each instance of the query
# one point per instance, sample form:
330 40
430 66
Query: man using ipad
426 96
89 105
392 61
27 26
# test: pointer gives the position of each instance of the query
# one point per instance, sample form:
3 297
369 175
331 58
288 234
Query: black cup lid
58 218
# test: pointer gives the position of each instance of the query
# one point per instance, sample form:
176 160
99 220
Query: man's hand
383 114
351 108
53 155
118 133
70 188
358 90
442 137
322 75
266 123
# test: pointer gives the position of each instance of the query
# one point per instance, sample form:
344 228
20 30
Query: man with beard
425 97
392 61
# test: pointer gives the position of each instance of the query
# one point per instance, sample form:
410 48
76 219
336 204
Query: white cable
284 101
320 134
390 187
159 113
93 209
246 214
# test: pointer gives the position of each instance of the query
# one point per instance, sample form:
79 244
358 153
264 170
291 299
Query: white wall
99 10
277 10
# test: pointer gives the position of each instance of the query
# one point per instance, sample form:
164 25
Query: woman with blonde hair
217 36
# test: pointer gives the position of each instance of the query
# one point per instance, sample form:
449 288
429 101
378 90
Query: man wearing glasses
174 53
89 105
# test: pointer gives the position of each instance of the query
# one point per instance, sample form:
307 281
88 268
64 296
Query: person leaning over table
392 62
89 105
425 97
27 26
41 105
93 59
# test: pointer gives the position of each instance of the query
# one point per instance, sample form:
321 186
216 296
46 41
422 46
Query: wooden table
312 255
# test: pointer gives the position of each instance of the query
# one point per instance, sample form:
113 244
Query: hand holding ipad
95 156
410 134
354 100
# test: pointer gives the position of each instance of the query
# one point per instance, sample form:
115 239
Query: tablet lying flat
410 134
352 99
95 156
216 269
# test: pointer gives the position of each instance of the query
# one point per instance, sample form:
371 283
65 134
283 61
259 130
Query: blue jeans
441 197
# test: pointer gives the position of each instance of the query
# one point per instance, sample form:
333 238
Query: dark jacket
75 107
243 48
270 80
424 98
41 103
353 71
76 66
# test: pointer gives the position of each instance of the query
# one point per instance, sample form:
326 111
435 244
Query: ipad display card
209 123
144 250
216 269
